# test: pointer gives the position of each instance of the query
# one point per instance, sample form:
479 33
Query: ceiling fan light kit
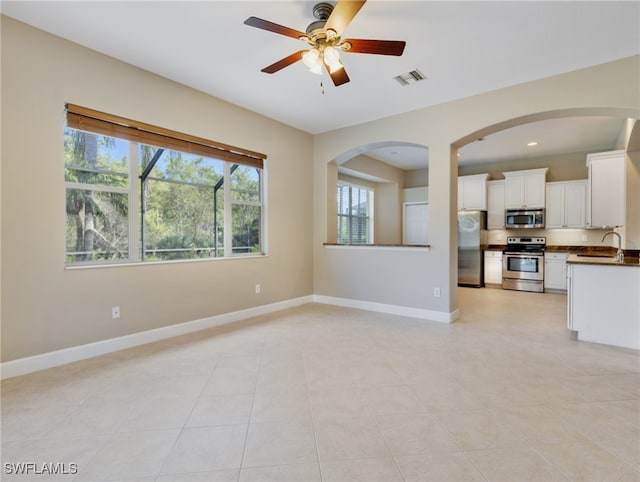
323 36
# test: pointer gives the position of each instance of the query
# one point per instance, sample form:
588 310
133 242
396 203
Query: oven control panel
521 240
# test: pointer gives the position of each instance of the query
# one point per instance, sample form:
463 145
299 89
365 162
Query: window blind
85 119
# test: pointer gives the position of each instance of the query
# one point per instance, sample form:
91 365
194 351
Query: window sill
420 247
128 264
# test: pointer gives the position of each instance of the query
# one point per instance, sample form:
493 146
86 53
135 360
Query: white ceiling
464 49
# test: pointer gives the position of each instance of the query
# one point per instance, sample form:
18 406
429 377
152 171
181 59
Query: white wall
46 307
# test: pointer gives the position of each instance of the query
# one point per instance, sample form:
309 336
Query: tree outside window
128 201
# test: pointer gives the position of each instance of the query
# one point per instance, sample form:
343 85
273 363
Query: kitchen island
604 300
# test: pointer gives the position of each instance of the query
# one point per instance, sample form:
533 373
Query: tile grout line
313 422
186 421
253 399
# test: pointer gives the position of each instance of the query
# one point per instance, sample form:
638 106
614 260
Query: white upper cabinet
566 204
525 189
495 204
606 189
472 192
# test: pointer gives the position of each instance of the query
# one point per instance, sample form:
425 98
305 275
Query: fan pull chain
321 88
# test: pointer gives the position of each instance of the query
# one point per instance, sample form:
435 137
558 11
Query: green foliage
96 221
179 206
182 206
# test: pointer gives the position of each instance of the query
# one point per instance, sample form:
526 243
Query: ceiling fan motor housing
321 11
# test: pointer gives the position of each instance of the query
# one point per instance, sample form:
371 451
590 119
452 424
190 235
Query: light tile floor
326 393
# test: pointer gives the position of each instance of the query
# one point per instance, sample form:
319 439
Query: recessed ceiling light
532 144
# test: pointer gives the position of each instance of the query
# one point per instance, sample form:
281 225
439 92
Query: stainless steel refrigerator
472 236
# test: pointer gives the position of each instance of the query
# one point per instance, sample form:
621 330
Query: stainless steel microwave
524 218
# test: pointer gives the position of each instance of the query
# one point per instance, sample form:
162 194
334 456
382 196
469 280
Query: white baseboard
43 361
52 359
439 316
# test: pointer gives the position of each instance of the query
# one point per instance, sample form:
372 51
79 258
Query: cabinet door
534 190
555 271
575 203
475 194
525 189
416 223
514 192
555 215
554 275
493 267
606 191
472 193
495 205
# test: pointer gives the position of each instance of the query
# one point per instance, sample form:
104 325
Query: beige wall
566 167
46 307
387 196
416 177
608 89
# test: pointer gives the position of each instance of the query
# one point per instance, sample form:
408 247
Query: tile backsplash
555 237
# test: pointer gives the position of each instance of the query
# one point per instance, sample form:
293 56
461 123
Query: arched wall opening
627 139
427 280
391 170
541 116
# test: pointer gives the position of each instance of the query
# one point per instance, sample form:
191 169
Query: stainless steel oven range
523 264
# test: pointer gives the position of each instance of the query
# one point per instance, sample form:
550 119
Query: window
137 193
355 214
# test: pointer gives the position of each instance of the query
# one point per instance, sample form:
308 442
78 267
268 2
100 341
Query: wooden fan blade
274 27
339 77
380 47
342 14
286 62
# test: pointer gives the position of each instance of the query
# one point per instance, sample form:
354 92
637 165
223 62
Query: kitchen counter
585 254
604 301
602 260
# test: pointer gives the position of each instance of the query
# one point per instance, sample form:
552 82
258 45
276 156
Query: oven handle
520 253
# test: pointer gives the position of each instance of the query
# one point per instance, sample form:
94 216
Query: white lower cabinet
555 271
603 304
493 267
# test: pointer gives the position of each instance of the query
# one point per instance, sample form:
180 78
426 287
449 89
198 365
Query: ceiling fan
324 39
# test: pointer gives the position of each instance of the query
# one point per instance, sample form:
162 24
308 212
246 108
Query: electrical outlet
258 288
115 312
436 292
584 237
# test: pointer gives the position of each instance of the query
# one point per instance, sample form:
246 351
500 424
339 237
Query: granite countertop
586 254
600 260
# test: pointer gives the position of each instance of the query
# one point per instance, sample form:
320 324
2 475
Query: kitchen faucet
619 253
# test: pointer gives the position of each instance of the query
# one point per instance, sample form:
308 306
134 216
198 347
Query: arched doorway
566 137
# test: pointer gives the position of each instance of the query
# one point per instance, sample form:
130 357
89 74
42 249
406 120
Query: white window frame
370 210
134 216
